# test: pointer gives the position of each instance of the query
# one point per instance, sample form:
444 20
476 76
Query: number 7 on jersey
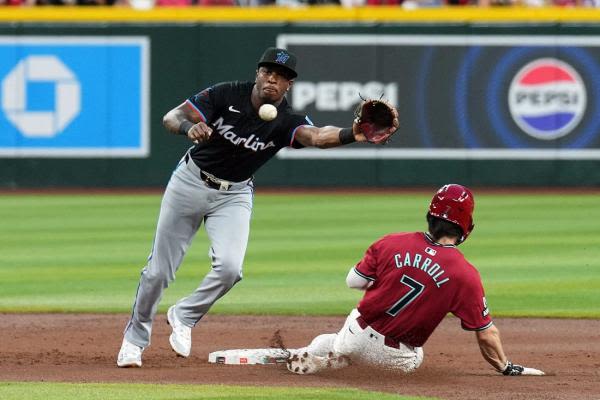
416 288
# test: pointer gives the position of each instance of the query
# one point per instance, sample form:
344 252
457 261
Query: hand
199 132
514 369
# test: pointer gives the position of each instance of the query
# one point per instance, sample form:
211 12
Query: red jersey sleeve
367 267
471 306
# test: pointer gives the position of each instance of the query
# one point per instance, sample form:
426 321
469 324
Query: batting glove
513 369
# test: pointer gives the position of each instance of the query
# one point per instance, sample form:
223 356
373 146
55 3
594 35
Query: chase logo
547 98
26 82
70 97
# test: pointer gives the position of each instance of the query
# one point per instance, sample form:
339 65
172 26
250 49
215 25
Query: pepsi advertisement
458 96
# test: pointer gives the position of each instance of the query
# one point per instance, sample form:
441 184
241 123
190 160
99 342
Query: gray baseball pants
186 203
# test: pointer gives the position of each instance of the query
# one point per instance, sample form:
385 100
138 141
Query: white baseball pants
366 346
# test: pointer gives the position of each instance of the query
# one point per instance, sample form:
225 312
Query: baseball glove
377 120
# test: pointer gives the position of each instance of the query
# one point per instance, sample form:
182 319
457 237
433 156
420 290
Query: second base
249 356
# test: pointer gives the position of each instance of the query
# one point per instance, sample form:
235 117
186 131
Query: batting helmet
454 203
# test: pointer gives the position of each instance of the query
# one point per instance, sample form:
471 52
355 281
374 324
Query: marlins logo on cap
281 57
547 98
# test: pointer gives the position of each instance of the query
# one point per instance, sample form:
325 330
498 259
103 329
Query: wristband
184 127
347 136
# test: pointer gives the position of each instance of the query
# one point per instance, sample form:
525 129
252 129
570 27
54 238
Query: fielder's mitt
377 120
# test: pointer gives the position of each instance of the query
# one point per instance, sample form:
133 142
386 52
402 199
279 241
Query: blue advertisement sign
74 96
458 96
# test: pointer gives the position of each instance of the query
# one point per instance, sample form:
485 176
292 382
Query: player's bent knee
419 357
230 277
157 277
414 362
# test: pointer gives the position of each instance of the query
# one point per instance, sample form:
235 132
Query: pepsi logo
547 98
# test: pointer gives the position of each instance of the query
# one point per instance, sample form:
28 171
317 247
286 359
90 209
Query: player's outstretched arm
327 136
375 122
492 351
183 121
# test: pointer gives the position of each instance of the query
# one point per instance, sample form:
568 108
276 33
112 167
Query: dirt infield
83 348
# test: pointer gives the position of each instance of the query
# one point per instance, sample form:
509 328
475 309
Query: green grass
92 391
539 255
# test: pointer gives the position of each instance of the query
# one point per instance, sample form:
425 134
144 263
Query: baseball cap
281 57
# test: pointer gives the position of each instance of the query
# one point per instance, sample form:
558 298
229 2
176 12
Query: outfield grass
90 391
538 254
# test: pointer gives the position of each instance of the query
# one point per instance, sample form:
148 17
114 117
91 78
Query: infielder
213 184
411 282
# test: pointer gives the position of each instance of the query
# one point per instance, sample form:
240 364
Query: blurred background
493 93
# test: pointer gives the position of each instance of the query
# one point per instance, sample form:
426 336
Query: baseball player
213 184
411 282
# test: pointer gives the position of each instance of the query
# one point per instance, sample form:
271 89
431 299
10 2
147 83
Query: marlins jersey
241 142
416 282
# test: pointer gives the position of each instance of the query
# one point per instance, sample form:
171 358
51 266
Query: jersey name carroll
426 264
241 142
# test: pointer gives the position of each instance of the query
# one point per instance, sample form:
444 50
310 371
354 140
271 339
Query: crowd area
346 3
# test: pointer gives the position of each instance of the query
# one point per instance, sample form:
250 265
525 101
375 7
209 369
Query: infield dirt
83 348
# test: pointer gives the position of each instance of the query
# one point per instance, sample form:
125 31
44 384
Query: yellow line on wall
300 14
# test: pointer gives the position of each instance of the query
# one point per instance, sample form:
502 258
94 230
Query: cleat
181 337
130 355
306 363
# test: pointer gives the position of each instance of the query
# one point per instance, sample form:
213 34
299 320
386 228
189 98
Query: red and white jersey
416 283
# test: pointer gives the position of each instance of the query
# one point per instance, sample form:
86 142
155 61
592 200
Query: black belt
386 340
211 181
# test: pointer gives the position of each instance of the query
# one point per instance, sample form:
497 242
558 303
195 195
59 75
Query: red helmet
454 203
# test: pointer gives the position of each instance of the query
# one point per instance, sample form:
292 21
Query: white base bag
249 356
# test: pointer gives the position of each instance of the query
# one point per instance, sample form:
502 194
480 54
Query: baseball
267 112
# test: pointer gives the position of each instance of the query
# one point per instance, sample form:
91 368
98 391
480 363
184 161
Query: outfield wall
486 97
